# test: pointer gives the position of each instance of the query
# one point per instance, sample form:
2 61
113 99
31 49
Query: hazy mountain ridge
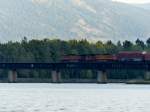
67 19
144 6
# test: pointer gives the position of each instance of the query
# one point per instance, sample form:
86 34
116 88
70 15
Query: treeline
52 50
47 50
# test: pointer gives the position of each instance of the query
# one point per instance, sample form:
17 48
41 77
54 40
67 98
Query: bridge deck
79 65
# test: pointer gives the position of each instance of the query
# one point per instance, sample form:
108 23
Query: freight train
121 56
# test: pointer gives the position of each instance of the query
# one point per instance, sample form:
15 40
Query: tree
140 44
148 42
119 46
127 45
110 47
99 46
83 47
24 40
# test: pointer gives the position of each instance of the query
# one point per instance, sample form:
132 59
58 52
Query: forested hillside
73 19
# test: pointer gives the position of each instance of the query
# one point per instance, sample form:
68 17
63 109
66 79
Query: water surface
74 98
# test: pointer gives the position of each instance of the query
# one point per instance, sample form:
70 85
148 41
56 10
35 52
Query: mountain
144 6
68 19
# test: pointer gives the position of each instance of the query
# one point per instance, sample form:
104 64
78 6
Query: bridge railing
24 60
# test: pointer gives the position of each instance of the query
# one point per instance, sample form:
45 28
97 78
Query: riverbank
38 80
138 82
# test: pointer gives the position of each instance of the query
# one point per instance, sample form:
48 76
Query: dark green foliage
148 42
127 45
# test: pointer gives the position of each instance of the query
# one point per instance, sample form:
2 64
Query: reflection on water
74 98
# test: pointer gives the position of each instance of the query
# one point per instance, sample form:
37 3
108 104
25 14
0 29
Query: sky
125 1
134 1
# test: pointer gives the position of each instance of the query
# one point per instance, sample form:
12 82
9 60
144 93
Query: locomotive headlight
144 52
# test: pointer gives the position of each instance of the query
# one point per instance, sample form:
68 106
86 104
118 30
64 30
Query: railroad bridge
100 67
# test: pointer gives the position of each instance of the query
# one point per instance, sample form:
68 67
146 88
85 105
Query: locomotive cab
130 56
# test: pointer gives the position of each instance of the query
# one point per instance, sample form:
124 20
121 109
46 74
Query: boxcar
105 57
89 58
71 58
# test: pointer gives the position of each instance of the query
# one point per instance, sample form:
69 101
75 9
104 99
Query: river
74 98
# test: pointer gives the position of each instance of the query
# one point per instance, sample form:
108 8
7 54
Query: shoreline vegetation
66 81
76 81
47 50
138 82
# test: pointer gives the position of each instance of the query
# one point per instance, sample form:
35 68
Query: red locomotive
130 56
121 56
147 56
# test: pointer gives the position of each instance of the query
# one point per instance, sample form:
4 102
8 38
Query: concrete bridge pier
12 76
59 77
56 76
147 75
101 76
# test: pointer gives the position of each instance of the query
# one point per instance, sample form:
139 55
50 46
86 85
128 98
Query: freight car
105 57
88 58
76 58
71 58
98 57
